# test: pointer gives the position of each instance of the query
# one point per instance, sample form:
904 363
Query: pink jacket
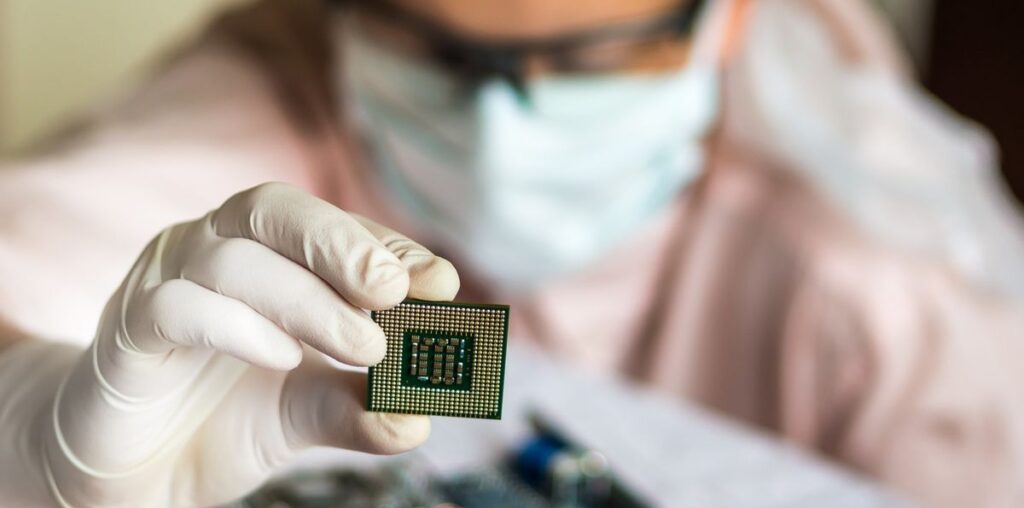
756 295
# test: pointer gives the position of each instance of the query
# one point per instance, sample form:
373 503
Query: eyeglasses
654 43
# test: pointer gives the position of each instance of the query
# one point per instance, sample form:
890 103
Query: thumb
324 406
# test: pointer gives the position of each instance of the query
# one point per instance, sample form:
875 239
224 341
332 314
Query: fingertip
370 351
378 278
387 284
391 433
288 357
373 352
434 279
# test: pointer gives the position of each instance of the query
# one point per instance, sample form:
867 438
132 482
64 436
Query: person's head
530 135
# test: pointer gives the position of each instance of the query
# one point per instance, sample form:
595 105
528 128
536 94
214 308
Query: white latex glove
193 390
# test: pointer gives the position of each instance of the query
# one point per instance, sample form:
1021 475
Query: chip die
443 358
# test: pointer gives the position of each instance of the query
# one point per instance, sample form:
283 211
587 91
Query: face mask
525 190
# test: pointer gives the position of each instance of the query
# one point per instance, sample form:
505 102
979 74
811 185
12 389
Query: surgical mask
527 190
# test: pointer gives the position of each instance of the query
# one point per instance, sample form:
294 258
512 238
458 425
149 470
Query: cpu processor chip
443 358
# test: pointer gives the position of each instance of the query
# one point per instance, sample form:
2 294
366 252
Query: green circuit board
444 359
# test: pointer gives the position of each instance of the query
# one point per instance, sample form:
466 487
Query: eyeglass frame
476 60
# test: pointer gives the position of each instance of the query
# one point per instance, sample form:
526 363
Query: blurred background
970 54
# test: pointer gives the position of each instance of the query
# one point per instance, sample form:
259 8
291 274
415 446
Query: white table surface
667 452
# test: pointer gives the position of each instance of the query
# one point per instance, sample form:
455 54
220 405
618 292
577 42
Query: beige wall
59 57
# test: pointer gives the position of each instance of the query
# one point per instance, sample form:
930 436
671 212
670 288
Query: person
749 205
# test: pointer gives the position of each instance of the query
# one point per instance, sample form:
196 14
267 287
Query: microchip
444 359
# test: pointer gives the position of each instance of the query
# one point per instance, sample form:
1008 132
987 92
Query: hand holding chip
193 390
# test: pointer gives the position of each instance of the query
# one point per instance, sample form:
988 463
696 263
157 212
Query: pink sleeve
915 378
73 218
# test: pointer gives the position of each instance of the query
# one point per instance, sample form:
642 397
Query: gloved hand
196 385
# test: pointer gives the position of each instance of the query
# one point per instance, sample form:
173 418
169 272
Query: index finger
319 236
